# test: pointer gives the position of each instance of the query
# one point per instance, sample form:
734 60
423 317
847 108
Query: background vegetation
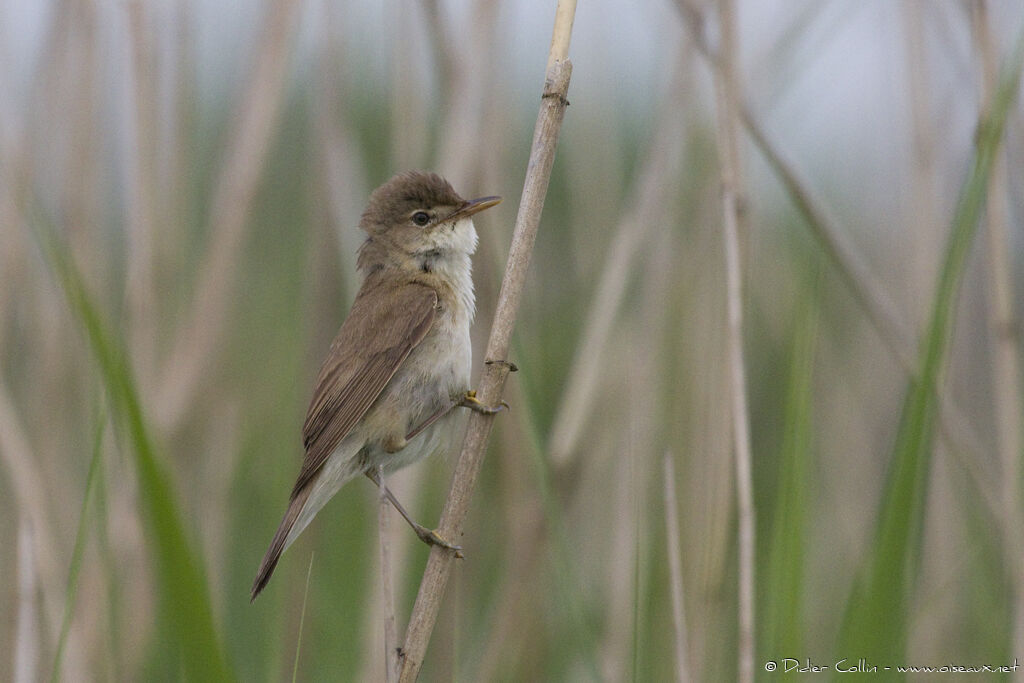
179 193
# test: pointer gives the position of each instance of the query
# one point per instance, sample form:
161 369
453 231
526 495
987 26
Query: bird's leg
426 535
469 400
444 410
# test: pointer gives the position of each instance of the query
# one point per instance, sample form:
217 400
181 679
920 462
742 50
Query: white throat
448 252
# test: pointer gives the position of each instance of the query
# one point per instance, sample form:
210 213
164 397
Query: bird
400 363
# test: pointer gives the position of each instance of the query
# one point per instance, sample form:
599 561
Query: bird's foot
431 537
469 400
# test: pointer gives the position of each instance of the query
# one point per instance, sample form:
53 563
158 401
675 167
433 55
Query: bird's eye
421 218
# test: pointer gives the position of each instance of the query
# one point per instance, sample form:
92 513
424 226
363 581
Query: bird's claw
431 537
473 403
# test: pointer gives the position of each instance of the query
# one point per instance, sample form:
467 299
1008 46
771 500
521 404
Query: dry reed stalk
387 584
409 94
460 156
707 500
923 222
642 213
343 181
922 234
343 187
32 496
442 44
343 184
63 71
139 167
439 565
194 349
1008 398
675 570
640 351
726 78
82 196
525 532
224 438
61 84
621 569
26 639
14 261
463 67
407 487
498 129
507 640
955 430
175 154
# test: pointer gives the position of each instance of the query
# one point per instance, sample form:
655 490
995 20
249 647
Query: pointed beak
471 207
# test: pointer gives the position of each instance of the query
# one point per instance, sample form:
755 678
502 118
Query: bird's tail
305 503
282 539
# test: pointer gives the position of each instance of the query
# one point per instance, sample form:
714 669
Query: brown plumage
401 358
372 343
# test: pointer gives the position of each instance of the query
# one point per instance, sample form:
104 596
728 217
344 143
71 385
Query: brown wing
386 322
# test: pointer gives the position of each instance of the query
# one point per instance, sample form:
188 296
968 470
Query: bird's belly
432 378
434 440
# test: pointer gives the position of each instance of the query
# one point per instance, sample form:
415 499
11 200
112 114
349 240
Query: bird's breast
445 355
435 373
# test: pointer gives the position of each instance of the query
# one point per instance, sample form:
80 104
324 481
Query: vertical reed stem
538 174
727 137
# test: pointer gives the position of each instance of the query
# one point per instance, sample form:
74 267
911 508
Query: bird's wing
384 325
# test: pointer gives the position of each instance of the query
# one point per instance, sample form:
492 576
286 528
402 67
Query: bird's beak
471 207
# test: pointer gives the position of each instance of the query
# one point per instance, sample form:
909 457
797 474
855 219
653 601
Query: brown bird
401 360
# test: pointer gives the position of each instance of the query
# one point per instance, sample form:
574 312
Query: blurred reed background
180 189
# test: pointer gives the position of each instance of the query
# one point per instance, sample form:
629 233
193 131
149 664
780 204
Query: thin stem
302 620
675 570
542 156
642 214
27 482
71 594
387 587
955 430
258 111
727 101
140 193
469 81
1005 340
26 649
565 14
923 223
